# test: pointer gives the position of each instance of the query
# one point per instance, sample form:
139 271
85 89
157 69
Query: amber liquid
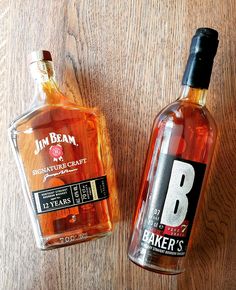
79 223
186 130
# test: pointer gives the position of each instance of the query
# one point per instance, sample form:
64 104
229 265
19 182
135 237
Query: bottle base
154 268
68 239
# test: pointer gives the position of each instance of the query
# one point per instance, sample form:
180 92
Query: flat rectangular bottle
64 158
177 164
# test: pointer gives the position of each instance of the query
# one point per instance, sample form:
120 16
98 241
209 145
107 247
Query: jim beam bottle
178 159
64 158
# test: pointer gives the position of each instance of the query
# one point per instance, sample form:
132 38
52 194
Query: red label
179 231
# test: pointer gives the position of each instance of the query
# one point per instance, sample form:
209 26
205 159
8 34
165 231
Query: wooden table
126 57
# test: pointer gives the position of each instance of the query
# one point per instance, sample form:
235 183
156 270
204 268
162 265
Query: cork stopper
39 55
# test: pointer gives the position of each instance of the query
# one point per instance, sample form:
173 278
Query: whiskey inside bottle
178 159
65 149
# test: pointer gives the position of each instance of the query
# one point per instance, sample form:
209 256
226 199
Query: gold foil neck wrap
39 55
42 71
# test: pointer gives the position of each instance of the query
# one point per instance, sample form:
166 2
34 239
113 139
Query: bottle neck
47 91
193 95
198 69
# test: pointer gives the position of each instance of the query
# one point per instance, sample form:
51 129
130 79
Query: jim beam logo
55 151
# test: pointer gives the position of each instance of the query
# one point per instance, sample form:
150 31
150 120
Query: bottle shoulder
43 115
182 112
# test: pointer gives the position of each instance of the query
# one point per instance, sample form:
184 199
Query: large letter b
176 203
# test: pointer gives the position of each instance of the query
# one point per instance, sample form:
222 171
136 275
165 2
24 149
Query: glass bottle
179 156
64 159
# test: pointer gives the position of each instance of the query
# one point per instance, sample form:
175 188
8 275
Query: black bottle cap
202 52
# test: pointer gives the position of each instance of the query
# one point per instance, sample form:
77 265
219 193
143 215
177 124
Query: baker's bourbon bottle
65 163
178 160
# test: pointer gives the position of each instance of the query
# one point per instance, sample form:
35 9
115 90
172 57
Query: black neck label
171 205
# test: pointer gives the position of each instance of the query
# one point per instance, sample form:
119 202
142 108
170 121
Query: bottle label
171 205
70 195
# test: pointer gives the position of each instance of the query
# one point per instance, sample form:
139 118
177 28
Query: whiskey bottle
64 158
177 164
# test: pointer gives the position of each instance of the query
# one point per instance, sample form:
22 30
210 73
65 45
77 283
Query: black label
70 195
171 205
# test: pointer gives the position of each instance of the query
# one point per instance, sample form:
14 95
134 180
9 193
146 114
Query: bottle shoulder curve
181 111
52 113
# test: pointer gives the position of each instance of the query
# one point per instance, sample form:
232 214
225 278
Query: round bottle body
178 159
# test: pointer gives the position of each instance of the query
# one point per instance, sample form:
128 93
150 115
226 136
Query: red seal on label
180 231
56 152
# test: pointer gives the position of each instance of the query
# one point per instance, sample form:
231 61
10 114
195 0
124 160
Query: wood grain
127 57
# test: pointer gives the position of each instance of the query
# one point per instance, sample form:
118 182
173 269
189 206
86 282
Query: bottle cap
205 42
202 52
39 55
